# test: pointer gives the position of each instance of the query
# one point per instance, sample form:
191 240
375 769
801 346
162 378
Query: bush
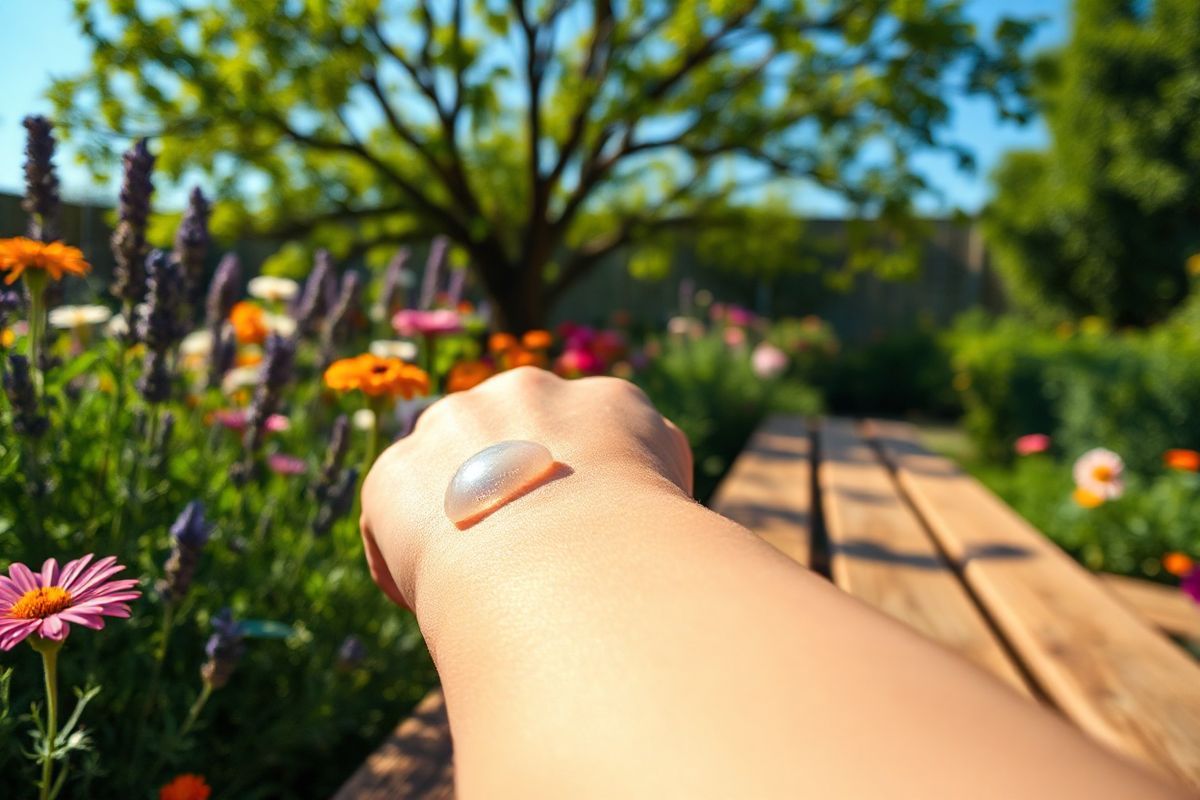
1130 391
902 374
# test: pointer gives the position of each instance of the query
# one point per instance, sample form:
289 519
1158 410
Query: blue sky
41 43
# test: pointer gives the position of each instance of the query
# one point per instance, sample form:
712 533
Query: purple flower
41 182
22 398
191 242
433 270
283 464
338 500
338 322
278 364
161 324
224 649
393 295
189 534
129 238
317 299
223 291
351 653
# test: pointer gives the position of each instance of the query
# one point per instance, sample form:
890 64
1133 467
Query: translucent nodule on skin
493 476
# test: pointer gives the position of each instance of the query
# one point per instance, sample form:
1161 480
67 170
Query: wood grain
1164 607
769 488
414 762
1118 679
881 553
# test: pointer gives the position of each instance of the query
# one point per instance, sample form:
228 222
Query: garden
297 261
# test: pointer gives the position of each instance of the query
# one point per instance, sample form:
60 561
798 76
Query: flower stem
49 652
197 707
35 281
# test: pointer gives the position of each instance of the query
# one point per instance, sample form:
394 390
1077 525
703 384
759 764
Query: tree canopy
541 137
1103 222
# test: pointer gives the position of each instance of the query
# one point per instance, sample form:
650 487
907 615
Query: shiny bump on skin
493 476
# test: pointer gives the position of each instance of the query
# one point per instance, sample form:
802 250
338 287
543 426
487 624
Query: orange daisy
501 342
1186 460
377 377
249 322
54 258
467 375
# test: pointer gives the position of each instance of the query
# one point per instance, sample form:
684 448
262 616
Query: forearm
608 637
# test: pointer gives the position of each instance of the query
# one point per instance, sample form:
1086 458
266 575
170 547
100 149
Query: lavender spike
41 182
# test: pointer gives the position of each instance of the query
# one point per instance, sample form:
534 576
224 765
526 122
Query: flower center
40 603
379 369
1102 473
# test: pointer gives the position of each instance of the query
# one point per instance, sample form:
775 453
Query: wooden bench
911 534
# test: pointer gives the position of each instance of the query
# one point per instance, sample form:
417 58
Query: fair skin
605 636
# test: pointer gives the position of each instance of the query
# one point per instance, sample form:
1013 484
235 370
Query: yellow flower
7 337
1086 499
1193 264
55 258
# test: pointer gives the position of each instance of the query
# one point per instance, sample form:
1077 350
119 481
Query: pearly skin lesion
493 477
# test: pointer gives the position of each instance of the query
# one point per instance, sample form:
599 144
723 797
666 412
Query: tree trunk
517 294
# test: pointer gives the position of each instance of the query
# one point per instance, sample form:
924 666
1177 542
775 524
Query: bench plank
414 762
769 488
1115 677
881 553
1164 607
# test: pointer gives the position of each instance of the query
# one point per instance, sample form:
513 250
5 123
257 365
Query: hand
604 431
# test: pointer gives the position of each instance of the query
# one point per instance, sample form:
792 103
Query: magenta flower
575 362
1031 443
44 604
1190 584
236 419
411 322
283 464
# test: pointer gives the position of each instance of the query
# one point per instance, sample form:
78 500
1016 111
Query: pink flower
1031 443
283 464
577 361
1098 472
736 315
768 361
411 322
1190 584
608 345
734 337
44 604
235 419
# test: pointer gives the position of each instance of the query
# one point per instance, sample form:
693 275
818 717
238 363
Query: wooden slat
1164 607
1115 677
881 553
769 488
414 762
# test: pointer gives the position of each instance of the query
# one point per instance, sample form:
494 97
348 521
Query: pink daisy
43 604
411 322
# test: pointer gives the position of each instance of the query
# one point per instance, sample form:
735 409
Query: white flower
272 289
1098 471
393 348
197 344
364 419
281 324
116 327
71 317
240 378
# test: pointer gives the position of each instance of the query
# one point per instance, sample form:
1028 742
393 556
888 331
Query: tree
540 137
1103 222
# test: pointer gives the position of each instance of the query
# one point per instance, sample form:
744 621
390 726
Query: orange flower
520 357
185 787
249 322
377 377
537 340
248 358
1087 499
501 343
1187 460
57 259
468 374
1178 564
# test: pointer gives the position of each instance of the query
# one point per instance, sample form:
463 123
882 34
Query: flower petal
72 570
54 628
50 572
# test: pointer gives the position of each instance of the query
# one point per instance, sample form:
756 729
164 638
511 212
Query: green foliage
710 390
1159 513
903 373
1104 221
541 137
1131 391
